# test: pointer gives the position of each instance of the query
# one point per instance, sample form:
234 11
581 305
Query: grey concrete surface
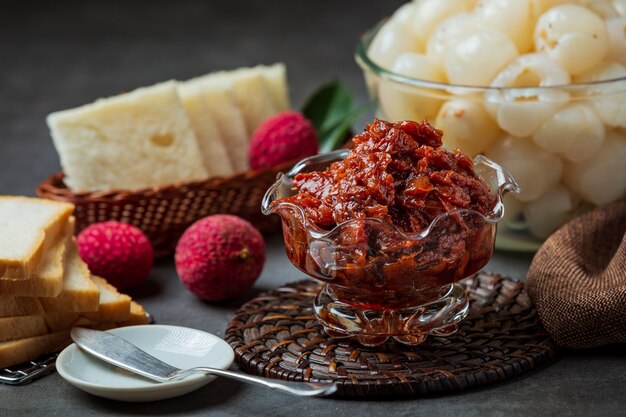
55 55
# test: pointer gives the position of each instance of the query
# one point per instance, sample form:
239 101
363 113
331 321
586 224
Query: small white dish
179 346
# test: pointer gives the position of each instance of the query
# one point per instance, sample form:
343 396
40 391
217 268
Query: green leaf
335 136
329 109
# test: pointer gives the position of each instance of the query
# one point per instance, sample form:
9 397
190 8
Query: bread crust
55 219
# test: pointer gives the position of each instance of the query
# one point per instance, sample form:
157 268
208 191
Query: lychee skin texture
284 137
220 257
119 252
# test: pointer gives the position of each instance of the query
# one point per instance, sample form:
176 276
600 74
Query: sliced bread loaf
276 77
26 224
134 140
79 293
137 317
47 280
254 98
113 305
214 154
219 97
12 328
30 348
57 321
19 306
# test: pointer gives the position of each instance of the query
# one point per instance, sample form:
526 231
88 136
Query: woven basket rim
54 185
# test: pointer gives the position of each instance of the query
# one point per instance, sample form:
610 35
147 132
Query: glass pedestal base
410 319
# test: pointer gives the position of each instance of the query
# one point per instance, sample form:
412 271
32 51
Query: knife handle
300 389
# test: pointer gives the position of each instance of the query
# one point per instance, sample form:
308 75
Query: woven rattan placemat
276 335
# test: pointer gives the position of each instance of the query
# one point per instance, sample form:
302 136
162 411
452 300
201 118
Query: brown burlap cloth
578 280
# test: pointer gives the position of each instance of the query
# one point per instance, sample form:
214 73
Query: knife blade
121 353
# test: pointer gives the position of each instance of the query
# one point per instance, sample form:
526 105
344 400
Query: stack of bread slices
172 132
45 288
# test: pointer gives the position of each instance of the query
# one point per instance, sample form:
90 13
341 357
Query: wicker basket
164 213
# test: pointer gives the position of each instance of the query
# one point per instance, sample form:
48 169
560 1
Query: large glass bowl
507 125
380 281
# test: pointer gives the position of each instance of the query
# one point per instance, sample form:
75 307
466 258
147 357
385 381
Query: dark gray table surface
56 55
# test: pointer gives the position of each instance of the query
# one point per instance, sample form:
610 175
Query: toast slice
30 348
214 155
254 98
219 97
113 305
25 225
47 280
79 294
130 141
12 328
19 306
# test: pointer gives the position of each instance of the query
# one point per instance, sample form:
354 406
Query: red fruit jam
399 178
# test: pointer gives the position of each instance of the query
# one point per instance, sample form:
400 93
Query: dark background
56 55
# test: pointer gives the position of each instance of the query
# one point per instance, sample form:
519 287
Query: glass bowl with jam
389 227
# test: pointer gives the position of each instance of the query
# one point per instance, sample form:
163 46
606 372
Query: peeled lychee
284 137
119 252
220 257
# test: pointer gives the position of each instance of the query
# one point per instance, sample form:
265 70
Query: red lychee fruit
284 137
220 257
119 252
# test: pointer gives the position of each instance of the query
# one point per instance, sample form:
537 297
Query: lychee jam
396 172
397 179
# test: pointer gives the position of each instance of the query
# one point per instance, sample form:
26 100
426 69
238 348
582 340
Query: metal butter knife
123 354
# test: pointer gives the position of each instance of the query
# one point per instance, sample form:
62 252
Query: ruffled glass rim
504 181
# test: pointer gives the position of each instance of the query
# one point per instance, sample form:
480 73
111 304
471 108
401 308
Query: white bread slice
214 155
28 349
254 98
276 77
113 305
137 317
134 140
25 225
79 293
112 313
47 280
57 321
12 328
219 97
19 306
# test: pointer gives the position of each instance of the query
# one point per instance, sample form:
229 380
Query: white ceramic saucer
178 346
